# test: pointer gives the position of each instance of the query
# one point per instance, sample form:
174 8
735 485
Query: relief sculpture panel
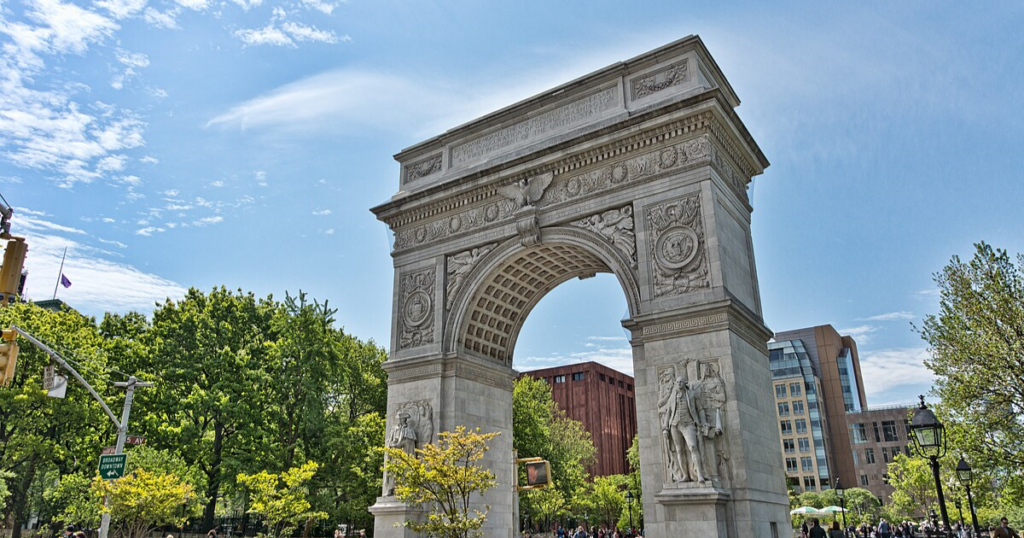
691 415
416 309
678 248
616 226
413 427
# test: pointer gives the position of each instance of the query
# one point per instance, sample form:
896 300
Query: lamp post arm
64 364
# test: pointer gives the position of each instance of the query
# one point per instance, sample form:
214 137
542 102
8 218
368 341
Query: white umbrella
833 509
805 511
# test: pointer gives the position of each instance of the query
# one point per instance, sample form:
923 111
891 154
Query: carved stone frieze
416 309
465 221
556 189
423 168
666 77
634 169
458 267
678 248
616 226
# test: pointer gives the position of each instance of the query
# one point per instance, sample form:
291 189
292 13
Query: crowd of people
905 529
592 532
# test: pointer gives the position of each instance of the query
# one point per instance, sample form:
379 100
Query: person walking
835 531
1004 530
883 529
817 531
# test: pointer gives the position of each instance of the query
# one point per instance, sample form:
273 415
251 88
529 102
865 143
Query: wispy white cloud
98 283
286 34
121 9
618 357
890 316
861 333
884 371
322 212
162 19
206 221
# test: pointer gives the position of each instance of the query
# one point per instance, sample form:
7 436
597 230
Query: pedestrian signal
10 271
8 356
538 474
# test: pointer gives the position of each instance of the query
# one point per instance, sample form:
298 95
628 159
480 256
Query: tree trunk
213 477
20 497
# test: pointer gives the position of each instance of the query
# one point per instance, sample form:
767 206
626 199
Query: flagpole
59 273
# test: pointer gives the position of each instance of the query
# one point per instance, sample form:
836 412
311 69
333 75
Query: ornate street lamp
966 476
629 502
842 502
930 441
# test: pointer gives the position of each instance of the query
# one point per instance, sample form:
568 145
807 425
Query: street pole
122 434
959 509
974 516
938 488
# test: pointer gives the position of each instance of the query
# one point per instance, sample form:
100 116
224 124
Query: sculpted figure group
413 428
691 424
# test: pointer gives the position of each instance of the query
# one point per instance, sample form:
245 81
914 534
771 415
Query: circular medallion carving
574 186
421 234
491 212
455 223
619 173
668 157
417 308
676 247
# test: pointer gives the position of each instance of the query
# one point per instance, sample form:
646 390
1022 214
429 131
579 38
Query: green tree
548 504
210 354
608 498
74 501
282 499
976 346
41 436
143 500
541 429
444 475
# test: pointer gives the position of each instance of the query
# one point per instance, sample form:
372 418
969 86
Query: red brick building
604 401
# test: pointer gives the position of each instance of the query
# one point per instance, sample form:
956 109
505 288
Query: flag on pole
64 281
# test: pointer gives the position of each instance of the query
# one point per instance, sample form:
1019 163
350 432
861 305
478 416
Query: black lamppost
629 502
966 476
842 502
930 441
959 505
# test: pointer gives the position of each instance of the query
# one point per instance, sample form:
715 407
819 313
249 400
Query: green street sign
112 466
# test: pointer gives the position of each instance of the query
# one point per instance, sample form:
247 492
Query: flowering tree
444 475
282 498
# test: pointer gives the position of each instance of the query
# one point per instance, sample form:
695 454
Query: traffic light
10 272
8 356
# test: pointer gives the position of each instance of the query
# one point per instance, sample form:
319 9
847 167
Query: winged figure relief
527 192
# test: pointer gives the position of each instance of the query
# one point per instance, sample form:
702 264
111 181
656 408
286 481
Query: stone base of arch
462 391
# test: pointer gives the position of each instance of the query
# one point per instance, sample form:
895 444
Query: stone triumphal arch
639 170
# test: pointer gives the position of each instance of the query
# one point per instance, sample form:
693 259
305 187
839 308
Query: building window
856 457
622 385
578 376
869 455
559 379
889 431
794 389
801 425
798 408
863 479
786 426
858 433
601 377
885 454
780 391
611 381
791 465
810 484
788 446
906 450
629 388
783 409
805 444
807 463
878 436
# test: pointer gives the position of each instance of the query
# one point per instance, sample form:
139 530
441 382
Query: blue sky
178 143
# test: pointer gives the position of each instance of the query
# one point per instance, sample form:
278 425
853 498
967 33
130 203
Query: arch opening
517 278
